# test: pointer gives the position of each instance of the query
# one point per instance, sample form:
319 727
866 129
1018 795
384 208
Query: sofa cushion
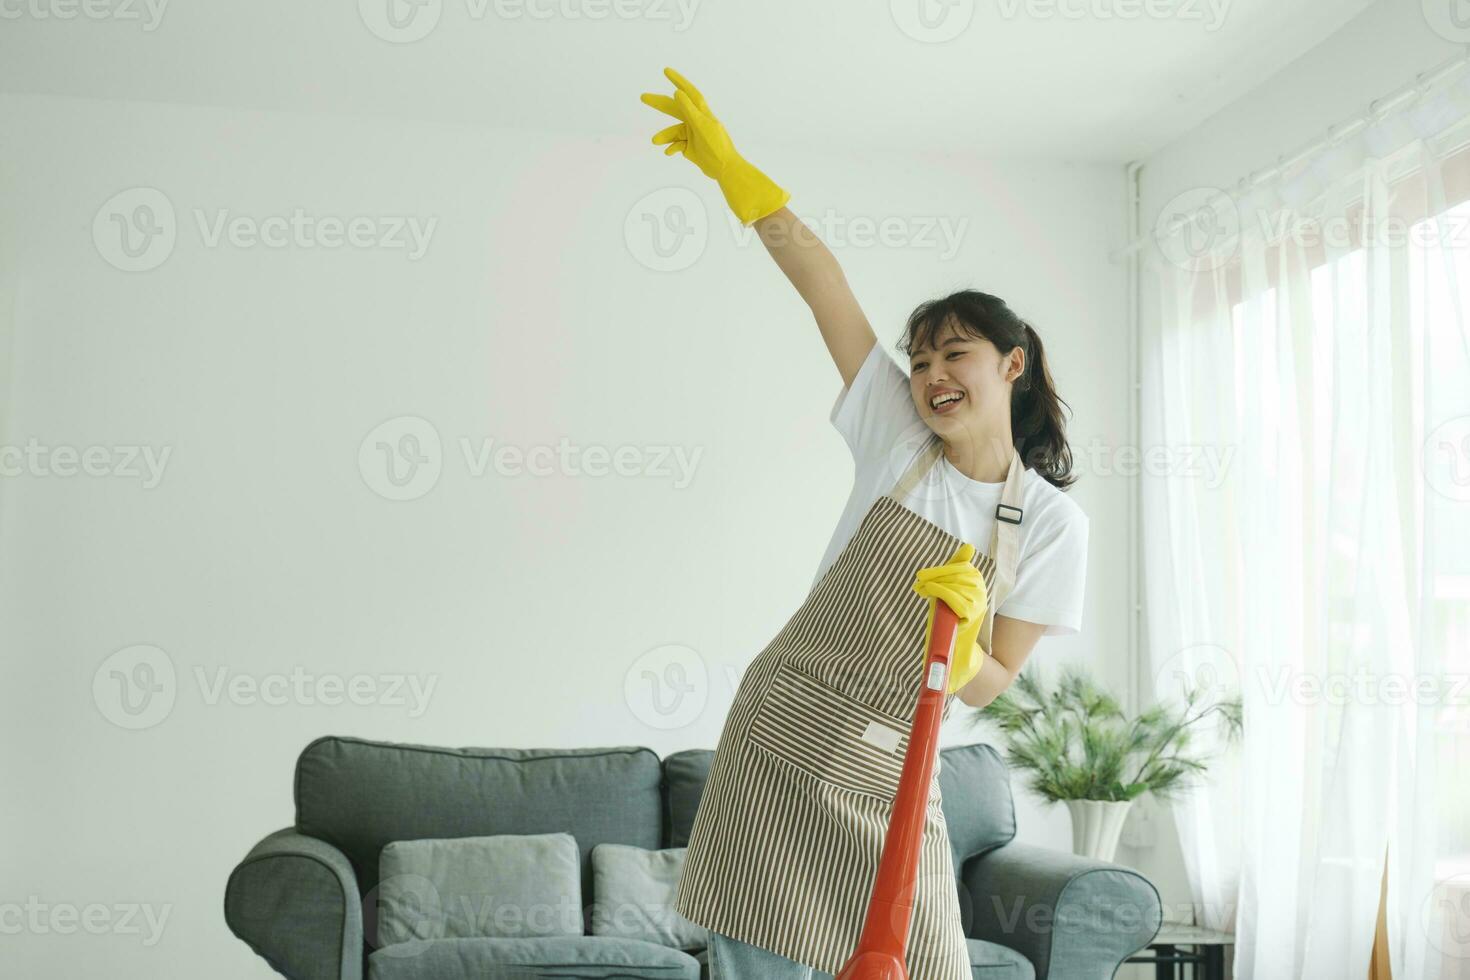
973 780
505 886
635 896
525 959
684 776
359 795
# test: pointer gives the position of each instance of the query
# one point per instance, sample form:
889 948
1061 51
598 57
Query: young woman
969 447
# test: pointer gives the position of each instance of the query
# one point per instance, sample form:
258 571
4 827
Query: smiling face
961 379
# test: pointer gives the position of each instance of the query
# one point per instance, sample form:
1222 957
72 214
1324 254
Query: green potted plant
1078 747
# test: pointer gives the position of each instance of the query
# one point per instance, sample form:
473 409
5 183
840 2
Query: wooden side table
1207 960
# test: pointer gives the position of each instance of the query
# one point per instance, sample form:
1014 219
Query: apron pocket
829 736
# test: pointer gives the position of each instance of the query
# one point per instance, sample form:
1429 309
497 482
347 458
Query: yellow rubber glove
702 139
960 586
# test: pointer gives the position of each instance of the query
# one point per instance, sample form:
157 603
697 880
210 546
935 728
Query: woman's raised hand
698 135
703 140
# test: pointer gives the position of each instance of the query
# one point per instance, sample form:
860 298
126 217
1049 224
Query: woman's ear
1016 364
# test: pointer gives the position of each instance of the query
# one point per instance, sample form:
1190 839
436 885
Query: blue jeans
731 959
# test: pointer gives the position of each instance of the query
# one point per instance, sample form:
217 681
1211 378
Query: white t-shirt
877 418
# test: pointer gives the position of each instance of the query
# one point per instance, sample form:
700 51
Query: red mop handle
884 941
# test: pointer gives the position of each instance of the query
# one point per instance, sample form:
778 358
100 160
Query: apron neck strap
1005 548
1005 538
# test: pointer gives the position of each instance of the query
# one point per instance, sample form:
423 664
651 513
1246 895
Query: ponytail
1037 426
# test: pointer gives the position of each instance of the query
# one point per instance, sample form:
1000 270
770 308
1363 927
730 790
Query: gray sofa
303 897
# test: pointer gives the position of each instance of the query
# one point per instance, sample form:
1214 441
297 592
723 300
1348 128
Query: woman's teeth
946 402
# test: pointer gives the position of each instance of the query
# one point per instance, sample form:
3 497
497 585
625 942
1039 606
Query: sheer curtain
1310 355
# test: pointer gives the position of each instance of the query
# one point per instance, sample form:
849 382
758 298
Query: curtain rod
1335 134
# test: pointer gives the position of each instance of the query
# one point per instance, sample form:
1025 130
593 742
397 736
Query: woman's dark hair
1037 427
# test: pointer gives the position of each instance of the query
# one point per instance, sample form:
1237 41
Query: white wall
1373 55
531 603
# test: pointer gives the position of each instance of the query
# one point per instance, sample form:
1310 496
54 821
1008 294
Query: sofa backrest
359 795
973 780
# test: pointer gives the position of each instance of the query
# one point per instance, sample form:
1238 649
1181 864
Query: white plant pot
1096 825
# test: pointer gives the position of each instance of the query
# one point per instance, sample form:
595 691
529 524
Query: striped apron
785 844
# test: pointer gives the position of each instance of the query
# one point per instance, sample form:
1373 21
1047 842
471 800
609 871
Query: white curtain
1315 553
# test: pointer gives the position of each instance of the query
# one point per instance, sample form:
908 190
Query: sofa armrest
295 901
1073 917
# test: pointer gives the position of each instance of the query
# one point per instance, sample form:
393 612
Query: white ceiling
1018 78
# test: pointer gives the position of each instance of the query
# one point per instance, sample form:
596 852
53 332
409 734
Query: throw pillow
505 886
633 891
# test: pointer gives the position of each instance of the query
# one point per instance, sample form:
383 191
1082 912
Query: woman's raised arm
756 199
813 270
